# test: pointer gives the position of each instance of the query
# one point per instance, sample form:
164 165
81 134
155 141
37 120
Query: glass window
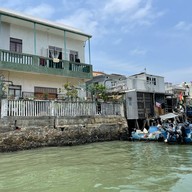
130 101
15 90
73 56
151 81
15 45
55 52
45 92
154 81
113 83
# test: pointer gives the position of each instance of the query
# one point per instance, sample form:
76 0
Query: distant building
115 83
178 94
145 96
97 73
144 93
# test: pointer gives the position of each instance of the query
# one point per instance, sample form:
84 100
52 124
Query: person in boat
183 134
170 132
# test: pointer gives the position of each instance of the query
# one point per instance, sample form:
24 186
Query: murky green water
110 166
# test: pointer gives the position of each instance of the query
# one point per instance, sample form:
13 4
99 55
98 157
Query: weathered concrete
27 133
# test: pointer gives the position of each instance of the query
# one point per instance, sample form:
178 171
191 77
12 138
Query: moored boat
155 133
181 135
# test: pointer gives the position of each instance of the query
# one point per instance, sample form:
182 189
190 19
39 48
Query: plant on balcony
45 96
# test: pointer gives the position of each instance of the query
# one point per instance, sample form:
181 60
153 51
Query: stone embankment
29 133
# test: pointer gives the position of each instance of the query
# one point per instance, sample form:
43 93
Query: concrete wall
28 133
9 123
131 105
140 83
28 81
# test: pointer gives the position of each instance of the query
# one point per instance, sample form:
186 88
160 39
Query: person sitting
77 60
183 134
170 133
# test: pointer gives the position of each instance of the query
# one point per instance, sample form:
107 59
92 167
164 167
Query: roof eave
41 22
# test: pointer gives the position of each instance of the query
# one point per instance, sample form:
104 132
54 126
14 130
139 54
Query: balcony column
65 46
89 50
34 30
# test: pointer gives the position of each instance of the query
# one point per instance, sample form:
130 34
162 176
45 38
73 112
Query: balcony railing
37 64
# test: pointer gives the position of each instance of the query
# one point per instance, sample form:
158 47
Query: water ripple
98 167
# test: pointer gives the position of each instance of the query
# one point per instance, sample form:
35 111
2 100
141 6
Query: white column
4 107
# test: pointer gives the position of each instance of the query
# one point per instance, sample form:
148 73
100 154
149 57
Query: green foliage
98 91
3 89
45 96
71 90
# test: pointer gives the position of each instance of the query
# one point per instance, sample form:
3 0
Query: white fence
56 108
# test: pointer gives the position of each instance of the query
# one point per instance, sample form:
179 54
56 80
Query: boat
182 135
155 133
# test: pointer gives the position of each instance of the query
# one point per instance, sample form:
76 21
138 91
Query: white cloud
112 64
11 3
130 14
42 11
129 10
99 18
138 52
82 19
184 75
142 12
117 41
119 6
183 26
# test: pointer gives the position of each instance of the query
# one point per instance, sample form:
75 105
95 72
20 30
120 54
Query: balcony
42 65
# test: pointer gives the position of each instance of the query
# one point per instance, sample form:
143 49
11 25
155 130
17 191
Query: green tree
98 91
71 90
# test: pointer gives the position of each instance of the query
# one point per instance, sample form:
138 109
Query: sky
128 36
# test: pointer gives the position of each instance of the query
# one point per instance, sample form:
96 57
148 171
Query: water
99 167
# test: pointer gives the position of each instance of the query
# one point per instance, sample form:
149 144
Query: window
55 52
45 92
73 56
154 81
113 83
151 80
15 90
15 45
148 80
130 101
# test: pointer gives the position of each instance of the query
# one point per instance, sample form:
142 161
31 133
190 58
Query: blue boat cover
153 129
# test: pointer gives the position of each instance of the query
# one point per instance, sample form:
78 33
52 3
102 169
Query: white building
146 83
38 56
145 96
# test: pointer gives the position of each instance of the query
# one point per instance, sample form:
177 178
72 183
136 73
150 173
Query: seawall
32 132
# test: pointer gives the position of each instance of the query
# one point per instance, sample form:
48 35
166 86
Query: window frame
15 88
15 45
73 56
